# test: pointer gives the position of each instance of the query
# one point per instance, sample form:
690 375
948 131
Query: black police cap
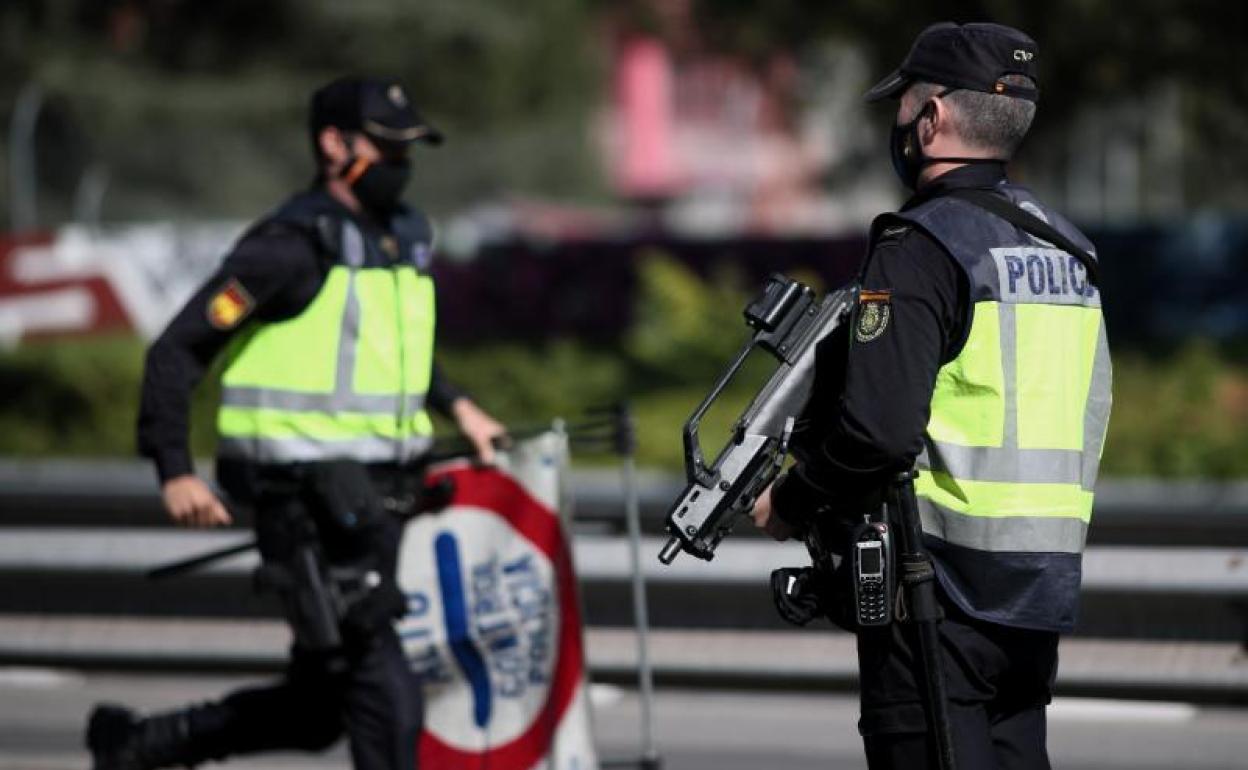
377 108
975 57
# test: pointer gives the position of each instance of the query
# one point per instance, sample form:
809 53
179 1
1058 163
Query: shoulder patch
229 306
874 312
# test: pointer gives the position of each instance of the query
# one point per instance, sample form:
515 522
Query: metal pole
632 510
89 197
23 185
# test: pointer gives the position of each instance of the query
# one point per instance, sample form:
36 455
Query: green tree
198 109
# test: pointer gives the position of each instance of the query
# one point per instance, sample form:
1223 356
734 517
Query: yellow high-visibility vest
345 379
1018 419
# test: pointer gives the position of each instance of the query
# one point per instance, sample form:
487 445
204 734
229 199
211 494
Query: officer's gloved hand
795 593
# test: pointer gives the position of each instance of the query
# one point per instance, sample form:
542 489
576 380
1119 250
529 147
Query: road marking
1107 710
605 695
37 678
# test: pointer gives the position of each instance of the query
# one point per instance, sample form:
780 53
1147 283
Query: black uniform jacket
874 376
280 271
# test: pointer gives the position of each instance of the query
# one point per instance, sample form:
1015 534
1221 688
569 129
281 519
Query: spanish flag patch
874 312
229 306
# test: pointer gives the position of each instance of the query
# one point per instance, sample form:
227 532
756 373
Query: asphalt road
41 713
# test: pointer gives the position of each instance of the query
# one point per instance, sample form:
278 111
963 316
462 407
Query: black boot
120 740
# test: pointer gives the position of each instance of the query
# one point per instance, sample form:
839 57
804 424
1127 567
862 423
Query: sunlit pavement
41 714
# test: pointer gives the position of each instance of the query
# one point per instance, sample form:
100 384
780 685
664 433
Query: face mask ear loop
356 170
913 142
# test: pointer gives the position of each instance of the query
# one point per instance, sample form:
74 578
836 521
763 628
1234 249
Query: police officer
324 315
976 355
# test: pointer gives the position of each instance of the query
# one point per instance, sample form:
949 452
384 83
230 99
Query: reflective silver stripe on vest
352 245
1096 413
1008 331
302 449
1013 534
1027 466
348 332
298 401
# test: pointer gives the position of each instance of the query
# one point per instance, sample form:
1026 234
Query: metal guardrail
1167 573
1155 572
53 493
1128 592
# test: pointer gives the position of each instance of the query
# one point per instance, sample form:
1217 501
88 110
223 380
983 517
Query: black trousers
374 700
999 680
365 689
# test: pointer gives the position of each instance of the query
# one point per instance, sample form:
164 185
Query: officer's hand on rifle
765 517
482 430
191 503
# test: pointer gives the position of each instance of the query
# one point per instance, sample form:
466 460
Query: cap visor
890 86
419 133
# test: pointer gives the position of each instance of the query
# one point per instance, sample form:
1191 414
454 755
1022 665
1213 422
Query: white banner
493 626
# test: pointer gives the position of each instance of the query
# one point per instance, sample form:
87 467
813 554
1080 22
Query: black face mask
906 150
379 186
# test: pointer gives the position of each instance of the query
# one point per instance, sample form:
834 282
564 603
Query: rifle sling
1003 208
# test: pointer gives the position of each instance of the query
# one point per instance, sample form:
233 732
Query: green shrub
1185 415
81 397
685 329
74 397
527 385
1182 417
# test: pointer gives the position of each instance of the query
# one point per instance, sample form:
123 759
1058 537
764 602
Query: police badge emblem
874 312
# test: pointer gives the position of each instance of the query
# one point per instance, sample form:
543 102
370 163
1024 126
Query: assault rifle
788 321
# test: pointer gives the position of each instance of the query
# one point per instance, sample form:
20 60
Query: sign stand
623 441
626 445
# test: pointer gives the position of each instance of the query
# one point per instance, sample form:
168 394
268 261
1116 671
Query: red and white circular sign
494 629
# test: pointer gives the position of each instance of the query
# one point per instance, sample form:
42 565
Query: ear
936 120
333 146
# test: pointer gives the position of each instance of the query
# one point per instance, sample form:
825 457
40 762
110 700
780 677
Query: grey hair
992 122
